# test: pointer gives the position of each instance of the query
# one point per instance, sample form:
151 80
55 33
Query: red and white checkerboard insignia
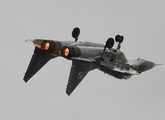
80 75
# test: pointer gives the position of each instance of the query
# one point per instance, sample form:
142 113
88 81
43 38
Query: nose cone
147 65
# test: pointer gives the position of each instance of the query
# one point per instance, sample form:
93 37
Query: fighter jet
86 56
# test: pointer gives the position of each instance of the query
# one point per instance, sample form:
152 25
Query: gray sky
99 96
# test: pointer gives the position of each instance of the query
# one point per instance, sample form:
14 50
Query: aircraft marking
80 75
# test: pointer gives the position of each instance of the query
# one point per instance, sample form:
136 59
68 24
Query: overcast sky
98 96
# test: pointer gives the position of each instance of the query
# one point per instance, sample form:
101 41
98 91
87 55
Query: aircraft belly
116 74
94 51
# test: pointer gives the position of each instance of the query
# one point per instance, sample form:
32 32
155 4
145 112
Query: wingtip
68 93
26 79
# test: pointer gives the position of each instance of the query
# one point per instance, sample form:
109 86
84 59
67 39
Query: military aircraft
86 56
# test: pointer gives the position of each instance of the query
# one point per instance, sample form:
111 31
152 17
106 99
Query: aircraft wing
78 71
38 60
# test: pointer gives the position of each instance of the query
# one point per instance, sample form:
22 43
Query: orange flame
45 45
66 52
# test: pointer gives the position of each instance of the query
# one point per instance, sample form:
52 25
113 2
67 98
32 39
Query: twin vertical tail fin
38 60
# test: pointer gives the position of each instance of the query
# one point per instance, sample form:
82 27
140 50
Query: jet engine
70 51
48 45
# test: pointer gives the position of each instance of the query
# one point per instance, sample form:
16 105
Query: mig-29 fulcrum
86 56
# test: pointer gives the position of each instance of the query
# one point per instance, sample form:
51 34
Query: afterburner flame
45 45
66 52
